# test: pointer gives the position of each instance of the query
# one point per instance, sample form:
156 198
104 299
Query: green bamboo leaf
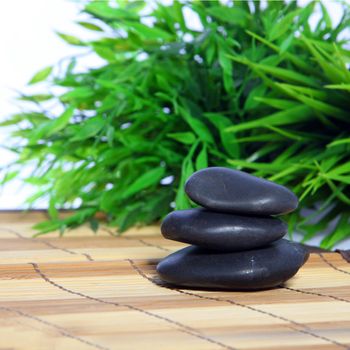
202 159
340 178
229 141
103 10
277 103
341 169
312 230
287 43
252 100
14 119
36 181
338 192
187 169
77 94
104 52
305 66
181 200
9 176
345 87
110 135
285 74
146 32
36 98
226 65
178 14
61 122
270 167
288 134
41 75
150 178
90 26
325 17
284 173
197 126
261 138
340 232
285 117
316 105
127 217
46 226
89 129
309 92
70 39
335 74
339 142
33 198
51 126
52 210
283 25
232 15
188 138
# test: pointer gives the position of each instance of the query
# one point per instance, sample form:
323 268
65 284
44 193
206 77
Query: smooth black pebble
233 191
226 232
267 267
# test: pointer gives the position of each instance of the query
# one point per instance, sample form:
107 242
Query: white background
29 43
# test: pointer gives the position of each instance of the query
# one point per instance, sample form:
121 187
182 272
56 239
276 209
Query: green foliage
254 88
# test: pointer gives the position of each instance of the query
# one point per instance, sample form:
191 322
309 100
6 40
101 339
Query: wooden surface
88 291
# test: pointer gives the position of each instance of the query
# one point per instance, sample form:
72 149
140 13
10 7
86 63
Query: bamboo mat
87 291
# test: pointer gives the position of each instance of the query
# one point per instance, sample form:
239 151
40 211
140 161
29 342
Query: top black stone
233 191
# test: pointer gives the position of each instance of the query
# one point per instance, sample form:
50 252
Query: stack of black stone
236 239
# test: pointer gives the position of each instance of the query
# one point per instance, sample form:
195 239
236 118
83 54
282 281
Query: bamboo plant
185 86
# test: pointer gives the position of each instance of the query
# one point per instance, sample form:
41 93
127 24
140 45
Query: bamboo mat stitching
315 293
60 329
332 265
306 329
48 244
147 244
151 244
181 327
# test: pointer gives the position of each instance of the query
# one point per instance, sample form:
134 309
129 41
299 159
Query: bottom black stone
262 268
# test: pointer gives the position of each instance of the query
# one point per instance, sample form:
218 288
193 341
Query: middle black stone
221 231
